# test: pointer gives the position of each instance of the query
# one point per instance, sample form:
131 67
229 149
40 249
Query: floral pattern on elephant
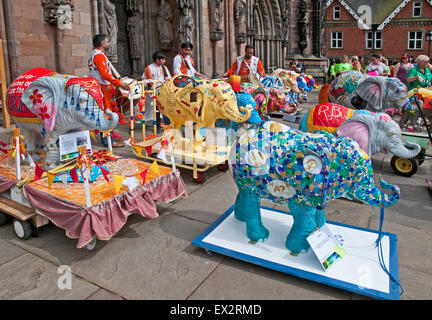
45 105
304 171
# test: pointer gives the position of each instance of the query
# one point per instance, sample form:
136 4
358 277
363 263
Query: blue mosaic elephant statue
302 170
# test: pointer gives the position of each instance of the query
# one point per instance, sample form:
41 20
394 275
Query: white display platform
359 271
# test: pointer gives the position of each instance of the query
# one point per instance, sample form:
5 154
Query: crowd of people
413 72
101 69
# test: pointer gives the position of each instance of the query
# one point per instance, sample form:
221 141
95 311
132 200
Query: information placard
70 142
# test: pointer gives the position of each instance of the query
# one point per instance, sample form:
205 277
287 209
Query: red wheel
200 178
223 166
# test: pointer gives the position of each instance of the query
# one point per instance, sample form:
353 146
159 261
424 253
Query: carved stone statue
112 30
134 31
186 24
240 21
164 20
216 32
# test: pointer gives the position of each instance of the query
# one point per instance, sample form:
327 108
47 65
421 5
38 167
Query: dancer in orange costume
100 70
240 68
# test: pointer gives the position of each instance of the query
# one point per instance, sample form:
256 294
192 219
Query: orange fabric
147 73
101 63
107 97
244 70
183 67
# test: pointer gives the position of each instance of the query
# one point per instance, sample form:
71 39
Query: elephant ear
358 131
370 90
307 172
42 97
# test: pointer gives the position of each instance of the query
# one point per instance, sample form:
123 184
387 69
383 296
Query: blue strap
381 255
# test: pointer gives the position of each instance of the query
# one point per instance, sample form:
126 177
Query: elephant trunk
375 197
237 116
408 151
110 123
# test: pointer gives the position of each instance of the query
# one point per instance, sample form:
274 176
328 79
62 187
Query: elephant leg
247 208
33 139
306 219
52 158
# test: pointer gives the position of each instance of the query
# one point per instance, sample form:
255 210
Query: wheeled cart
34 204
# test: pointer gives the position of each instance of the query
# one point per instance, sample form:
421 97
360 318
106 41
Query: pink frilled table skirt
105 219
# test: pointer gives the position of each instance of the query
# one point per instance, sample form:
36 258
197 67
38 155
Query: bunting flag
51 178
12 152
115 135
38 173
105 173
118 181
63 178
162 155
74 175
31 161
138 150
155 168
3 150
143 175
149 150
92 134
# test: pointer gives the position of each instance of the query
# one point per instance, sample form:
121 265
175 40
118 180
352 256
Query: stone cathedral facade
57 34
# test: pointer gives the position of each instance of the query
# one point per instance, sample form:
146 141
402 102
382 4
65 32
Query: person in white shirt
155 71
183 62
376 67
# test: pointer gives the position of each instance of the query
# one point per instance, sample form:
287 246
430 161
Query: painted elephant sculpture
270 99
288 84
45 105
374 132
185 98
374 93
302 170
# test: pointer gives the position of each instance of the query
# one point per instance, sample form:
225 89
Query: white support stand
16 193
85 175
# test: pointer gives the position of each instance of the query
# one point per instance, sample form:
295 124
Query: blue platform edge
394 293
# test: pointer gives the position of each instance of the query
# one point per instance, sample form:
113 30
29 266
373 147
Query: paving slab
29 277
417 285
210 201
103 294
9 251
234 279
53 244
160 263
414 246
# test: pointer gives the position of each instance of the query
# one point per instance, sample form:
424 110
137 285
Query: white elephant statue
45 105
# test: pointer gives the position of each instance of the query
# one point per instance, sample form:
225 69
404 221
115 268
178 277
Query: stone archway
269 26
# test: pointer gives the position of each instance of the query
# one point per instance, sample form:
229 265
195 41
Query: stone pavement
154 259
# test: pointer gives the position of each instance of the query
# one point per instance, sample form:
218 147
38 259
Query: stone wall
37 41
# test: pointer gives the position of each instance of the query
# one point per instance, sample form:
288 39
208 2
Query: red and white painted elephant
45 105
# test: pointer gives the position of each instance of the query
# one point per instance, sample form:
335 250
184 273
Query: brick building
40 33
386 27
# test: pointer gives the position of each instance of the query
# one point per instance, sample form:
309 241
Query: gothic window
336 13
417 8
415 40
336 40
